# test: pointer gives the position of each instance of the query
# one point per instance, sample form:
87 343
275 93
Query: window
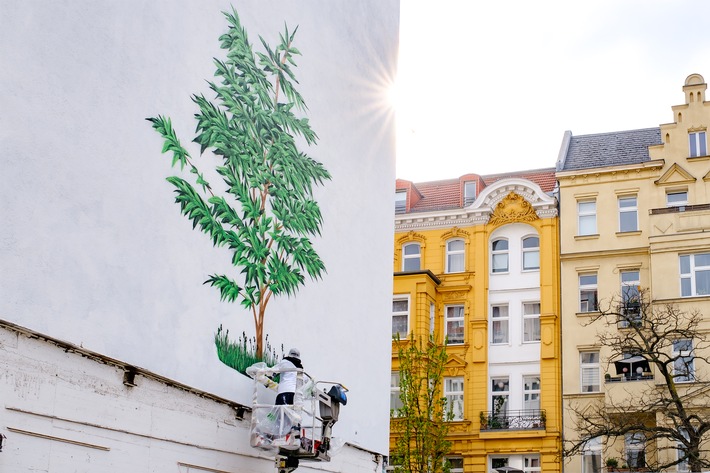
499 325
587 214
469 192
676 198
531 253
589 371
455 256
695 275
432 318
628 214
500 391
682 453
411 257
454 324
400 202
630 310
588 292
592 456
635 450
499 256
531 393
697 144
683 365
531 464
498 462
453 392
531 322
455 464
395 400
400 317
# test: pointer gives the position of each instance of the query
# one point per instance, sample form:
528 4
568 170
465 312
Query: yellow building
635 215
476 260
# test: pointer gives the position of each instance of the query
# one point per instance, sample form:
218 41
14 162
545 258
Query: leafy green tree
421 424
265 212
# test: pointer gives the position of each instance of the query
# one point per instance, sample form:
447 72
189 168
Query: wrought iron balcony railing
513 420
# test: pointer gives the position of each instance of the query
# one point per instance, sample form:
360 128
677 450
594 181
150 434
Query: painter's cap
294 353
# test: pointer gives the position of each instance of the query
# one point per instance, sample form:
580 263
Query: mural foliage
264 213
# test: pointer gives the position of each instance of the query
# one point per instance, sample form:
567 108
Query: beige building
635 216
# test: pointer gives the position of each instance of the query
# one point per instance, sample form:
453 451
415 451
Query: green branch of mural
266 213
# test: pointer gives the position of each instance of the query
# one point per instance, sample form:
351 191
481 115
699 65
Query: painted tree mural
265 212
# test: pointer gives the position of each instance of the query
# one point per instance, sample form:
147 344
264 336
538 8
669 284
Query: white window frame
500 391
685 357
408 258
453 392
501 318
530 393
697 144
500 253
631 309
469 195
454 318
400 201
587 217
635 442
400 314
677 198
592 448
625 207
530 251
586 288
690 266
432 318
531 322
455 257
395 392
532 463
455 468
589 372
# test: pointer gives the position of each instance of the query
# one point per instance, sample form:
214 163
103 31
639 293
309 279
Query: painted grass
241 354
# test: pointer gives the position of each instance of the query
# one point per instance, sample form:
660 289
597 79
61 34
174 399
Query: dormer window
697 144
469 192
400 202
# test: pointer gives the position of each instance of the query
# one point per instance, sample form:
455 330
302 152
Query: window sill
630 233
531 270
593 236
588 314
699 158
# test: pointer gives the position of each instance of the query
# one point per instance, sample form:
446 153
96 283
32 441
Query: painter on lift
287 377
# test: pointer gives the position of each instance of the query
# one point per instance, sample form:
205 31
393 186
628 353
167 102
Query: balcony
513 420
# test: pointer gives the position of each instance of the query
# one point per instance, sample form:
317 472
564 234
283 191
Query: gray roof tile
610 149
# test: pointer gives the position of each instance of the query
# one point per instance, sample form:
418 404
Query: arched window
455 256
531 253
411 257
499 256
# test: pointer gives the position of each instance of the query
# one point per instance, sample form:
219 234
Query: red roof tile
446 194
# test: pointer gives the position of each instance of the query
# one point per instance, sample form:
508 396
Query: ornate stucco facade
476 261
635 215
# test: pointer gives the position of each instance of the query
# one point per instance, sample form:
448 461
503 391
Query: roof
446 194
610 149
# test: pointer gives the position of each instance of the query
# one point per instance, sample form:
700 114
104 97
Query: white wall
64 412
93 249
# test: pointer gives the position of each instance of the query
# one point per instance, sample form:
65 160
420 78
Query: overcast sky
488 87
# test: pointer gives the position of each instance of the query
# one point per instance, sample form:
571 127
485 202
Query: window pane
587 279
587 225
500 331
412 264
531 242
628 222
456 263
677 198
400 305
587 207
499 245
685 264
703 259
531 329
531 260
702 283
411 249
456 245
500 263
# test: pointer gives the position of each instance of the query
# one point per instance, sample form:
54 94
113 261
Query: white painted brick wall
65 413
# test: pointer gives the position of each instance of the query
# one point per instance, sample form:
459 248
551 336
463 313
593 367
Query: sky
490 87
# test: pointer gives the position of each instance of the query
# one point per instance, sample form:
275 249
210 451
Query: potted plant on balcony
612 463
